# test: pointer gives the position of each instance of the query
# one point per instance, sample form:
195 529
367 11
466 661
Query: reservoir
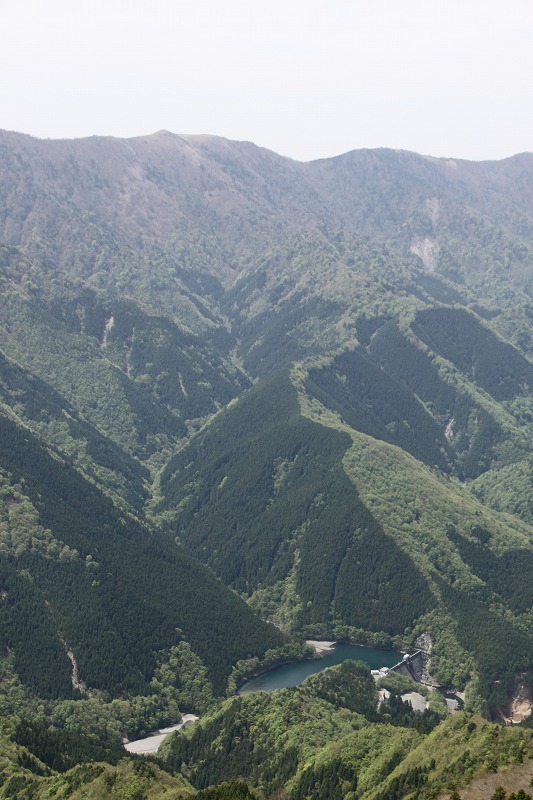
292 674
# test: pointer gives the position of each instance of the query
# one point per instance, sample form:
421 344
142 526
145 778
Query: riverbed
151 743
292 674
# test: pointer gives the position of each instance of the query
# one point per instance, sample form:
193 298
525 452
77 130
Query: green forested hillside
38 762
266 736
237 389
509 488
326 739
269 499
373 403
490 363
138 378
471 432
322 739
283 503
78 575
49 414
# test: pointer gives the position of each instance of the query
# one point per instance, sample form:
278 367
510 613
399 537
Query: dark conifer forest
248 403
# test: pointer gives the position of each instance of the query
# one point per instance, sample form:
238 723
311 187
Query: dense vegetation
264 736
113 590
494 365
316 380
263 491
264 496
48 413
473 433
325 738
373 403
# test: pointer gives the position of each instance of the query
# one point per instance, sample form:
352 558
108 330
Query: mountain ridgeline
270 486
244 402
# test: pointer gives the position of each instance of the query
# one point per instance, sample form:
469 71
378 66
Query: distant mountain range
237 390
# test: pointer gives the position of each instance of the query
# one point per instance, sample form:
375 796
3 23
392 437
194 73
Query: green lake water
292 674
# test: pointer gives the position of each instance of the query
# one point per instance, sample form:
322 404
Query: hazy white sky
306 78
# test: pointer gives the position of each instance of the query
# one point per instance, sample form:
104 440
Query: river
292 674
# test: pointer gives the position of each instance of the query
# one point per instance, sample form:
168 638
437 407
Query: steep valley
246 402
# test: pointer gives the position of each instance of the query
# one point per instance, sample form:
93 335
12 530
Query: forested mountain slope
174 218
234 387
325 739
75 569
139 378
333 532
